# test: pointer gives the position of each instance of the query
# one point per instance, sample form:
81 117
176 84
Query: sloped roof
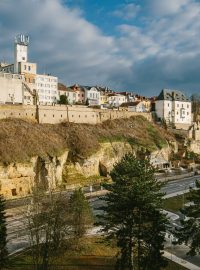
169 94
130 104
62 87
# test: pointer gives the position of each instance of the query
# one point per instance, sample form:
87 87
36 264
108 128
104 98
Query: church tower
21 50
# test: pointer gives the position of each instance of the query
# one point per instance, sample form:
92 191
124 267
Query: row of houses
104 97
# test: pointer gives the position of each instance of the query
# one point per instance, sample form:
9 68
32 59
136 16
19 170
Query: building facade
174 107
45 87
11 88
92 96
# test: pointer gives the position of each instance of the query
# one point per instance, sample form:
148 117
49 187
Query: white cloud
163 52
127 11
166 7
62 41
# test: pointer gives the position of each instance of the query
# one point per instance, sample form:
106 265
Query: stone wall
61 113
18 111
195 147
18 179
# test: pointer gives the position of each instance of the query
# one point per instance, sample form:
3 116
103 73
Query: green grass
94 254
174 204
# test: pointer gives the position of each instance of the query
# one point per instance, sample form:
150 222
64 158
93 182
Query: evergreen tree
3 235
132 215
189 234
80 214
63 100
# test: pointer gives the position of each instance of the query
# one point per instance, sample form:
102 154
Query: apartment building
45 87
174 107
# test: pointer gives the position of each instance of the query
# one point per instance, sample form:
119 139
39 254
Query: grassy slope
20 140
94 254
174 204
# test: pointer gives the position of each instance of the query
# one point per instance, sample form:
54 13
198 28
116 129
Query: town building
92 96
80 93
11 88
47 89
115 100
174 107
136 106
44 87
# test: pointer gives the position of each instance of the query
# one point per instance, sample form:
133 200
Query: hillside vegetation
20 140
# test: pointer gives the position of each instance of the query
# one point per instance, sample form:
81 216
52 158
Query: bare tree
47 223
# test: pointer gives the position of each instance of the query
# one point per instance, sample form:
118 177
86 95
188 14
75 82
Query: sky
127 45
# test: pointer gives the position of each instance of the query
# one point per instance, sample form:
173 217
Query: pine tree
63 100
132 215
80 214
3 235
189 234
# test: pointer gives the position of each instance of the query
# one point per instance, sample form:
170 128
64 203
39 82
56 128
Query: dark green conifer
80 214
132 215
189 234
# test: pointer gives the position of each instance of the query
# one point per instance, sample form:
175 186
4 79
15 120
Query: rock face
17 180
195 146
99 164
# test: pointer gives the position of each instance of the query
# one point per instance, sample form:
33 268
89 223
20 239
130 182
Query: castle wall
18 111
62 113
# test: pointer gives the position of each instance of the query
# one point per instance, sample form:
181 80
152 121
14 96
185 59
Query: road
17 235
180 186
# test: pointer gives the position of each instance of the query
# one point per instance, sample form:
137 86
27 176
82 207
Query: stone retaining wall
62 113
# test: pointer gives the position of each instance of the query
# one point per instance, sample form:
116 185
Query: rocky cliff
18 179
68 154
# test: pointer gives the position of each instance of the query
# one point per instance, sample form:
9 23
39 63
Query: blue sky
136 45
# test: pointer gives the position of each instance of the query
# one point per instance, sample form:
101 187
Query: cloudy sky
137 45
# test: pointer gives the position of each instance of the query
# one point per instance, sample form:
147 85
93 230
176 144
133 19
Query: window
14 192
29 68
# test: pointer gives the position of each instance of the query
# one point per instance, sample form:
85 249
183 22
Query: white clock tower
21 50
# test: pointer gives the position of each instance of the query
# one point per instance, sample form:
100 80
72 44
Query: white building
11 88
71 96
137 106
47 89
92 95
116 100
44 86
21 51
175 108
